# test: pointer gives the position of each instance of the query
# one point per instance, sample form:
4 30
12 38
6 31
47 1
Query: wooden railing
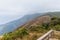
47 36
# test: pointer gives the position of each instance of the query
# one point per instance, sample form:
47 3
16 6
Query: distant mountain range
11 26
8 27
53 13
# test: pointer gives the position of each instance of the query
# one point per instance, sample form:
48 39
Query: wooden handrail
48 34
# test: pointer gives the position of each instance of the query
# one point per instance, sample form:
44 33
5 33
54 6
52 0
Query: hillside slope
33 23
33 29
37 21
11 26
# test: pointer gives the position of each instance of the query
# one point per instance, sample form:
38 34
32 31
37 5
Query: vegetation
33 32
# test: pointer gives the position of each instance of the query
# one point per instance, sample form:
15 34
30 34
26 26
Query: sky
13 9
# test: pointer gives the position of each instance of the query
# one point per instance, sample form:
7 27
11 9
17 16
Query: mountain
34 28
8 27
53 13
30 30
37 21
11 26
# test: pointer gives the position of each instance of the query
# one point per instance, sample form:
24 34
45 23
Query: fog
13 9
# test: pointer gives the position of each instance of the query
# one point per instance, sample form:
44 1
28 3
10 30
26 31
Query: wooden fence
47 35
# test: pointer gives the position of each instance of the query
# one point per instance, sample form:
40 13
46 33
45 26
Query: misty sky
13 9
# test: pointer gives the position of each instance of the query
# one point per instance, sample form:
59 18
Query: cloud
12 9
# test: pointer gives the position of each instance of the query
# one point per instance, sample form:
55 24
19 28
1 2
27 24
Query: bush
46 25
57 27
21 32
13 35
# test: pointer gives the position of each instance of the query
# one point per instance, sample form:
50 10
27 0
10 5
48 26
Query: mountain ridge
34 28
11 26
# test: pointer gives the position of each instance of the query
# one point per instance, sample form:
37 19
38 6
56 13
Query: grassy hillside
33 32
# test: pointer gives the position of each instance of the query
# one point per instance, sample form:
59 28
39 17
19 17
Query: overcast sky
13 9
